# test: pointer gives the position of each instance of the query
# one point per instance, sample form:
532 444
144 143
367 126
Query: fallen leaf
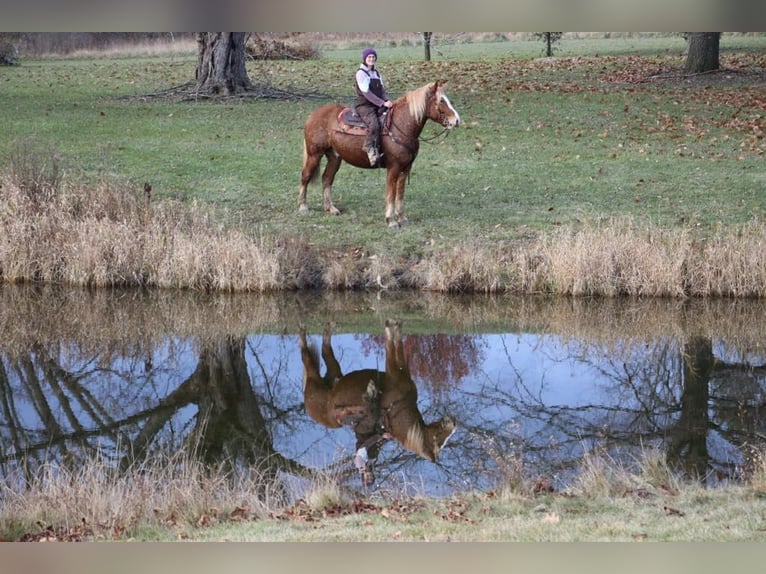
673 511
552 518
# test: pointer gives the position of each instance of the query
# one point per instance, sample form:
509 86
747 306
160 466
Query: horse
377 405
327 133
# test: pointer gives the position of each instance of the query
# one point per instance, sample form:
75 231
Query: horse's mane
416 101
415 440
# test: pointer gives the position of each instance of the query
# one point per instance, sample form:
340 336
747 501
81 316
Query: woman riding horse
371 101
326 134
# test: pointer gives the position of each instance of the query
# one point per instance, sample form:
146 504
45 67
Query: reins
391 124
432 138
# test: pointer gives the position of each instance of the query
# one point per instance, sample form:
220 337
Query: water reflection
377 405
136 375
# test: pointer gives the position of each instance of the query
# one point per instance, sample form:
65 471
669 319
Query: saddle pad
351 122
349 117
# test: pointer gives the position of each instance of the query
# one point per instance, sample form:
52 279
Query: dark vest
376 87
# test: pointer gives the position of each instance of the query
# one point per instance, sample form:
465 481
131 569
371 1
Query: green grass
715 516
577 139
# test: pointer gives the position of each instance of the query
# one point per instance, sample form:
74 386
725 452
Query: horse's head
441 110
436 436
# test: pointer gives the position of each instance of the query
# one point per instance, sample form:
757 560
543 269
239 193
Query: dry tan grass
620 258
600 475
106 234
616 259
180 498
175 492
170 45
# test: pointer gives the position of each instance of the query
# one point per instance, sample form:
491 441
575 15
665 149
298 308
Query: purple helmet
367 52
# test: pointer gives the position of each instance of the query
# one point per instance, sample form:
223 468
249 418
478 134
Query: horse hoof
393 224
303 210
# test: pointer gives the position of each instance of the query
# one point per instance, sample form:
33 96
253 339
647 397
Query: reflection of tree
687 439
683 392
228 428
674 395
440 361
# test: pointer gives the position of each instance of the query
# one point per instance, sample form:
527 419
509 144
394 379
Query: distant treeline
40 43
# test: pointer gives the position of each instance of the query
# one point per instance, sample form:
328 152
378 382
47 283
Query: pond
531 383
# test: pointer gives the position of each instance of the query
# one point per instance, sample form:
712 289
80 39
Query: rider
371 101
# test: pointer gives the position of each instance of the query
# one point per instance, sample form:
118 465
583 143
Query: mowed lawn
607 128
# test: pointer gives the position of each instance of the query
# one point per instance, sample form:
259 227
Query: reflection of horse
325 133
376 404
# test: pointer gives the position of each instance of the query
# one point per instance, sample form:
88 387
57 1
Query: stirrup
372 155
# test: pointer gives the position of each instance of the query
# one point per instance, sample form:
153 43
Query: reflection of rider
371 100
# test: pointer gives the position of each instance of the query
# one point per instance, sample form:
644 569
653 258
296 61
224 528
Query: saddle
350 122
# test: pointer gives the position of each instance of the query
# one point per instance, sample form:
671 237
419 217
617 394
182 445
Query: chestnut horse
325 135
377 405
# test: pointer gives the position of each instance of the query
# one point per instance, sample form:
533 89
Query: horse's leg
310 361
401 181
395 361
333 367
311 161
392 177
333 165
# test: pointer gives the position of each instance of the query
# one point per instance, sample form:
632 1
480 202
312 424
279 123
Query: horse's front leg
396 363
392 177
333 165
333 367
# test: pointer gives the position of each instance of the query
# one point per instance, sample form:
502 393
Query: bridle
390 124
444 130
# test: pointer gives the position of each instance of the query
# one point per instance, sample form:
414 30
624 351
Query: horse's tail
315 171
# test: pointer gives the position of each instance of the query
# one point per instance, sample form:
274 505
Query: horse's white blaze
456 121
441 446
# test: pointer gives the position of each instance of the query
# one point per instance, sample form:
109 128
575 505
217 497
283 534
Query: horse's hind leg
308 173
401 180
333 165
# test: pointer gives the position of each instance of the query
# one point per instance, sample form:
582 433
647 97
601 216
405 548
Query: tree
8 51
221 64
549 38
702 50
427 44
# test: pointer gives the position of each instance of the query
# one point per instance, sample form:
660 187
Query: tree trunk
687 441
702 52
427 45
221 64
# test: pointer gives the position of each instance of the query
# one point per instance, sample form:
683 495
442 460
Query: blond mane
416 101
415 440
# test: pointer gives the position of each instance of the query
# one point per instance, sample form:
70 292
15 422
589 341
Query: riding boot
372 155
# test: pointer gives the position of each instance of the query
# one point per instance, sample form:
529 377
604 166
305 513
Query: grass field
608 129
165 500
